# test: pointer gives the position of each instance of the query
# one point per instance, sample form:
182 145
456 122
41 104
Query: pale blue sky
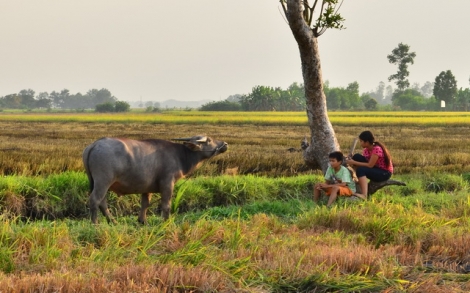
210 49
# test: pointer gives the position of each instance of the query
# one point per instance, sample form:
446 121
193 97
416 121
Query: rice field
251 118
41 144
245 221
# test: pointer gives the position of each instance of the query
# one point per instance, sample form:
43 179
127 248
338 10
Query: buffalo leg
144 204
166 193
105 211
97 196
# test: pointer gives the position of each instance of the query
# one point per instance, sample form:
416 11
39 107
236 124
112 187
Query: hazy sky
210 49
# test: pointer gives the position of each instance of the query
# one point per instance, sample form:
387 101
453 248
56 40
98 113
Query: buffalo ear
192 146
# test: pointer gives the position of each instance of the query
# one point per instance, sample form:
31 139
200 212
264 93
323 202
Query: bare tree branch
283 4
338 7
316 33
314 4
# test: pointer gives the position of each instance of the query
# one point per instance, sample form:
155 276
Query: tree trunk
374 186
323 138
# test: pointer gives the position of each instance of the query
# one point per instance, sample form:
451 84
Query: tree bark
374 186
323 138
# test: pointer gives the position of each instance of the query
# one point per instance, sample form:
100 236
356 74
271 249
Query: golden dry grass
418 252
38 148
231 255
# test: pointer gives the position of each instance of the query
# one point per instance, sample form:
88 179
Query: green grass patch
66 194
244 233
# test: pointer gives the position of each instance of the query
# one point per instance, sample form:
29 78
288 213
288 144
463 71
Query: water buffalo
128 166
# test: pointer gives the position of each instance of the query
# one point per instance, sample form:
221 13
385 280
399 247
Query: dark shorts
374 174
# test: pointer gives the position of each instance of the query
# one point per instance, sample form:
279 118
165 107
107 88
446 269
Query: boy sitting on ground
338 180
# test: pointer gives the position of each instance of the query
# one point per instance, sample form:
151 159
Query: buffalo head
204 144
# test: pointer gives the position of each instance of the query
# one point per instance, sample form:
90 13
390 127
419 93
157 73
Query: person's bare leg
363 185
316 193
333 195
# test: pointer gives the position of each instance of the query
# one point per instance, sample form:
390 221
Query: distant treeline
101 100
428 97
415 98
263 98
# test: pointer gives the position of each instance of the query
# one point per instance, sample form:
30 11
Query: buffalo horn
204 139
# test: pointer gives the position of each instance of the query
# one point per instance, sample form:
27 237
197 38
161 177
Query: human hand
350 161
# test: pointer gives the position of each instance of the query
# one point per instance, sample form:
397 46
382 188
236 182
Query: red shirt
376 150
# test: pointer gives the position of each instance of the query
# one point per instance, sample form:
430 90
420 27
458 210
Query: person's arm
370 164
323 185
327 185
